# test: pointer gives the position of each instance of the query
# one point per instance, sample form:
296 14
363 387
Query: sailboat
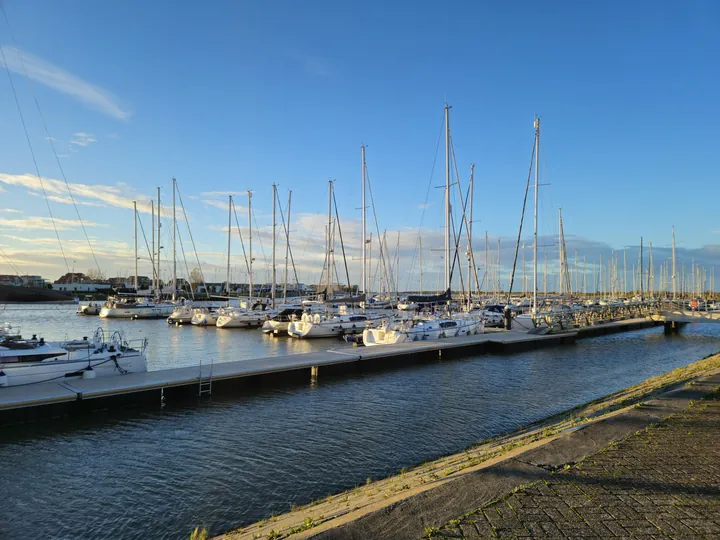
136 307
253 314
445 325
533 321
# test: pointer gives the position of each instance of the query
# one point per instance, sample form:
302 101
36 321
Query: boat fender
3 379
89 373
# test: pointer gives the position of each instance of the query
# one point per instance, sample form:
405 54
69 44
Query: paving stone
663 482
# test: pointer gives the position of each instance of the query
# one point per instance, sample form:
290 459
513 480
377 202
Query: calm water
227 462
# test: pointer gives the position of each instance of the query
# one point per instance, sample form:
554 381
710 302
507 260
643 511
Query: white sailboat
134 307
34 361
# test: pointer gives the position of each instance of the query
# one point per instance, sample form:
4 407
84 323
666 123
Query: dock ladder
205 383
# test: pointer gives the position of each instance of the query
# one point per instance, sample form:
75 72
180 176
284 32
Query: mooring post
508 318
314 372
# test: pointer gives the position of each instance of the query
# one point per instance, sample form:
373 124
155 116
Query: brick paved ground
663 482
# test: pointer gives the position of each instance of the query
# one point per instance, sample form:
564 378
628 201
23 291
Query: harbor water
225 462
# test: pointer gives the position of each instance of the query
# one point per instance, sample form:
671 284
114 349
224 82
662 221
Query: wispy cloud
11 210
58 79
68 200
119 195
82 139
221 193
36 222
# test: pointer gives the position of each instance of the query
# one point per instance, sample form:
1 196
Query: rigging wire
182 248
47 133
10 262
32 153
192 240
342 244
422 214
377 229
292 260
242 243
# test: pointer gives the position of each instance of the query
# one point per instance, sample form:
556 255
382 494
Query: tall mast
470 224
363 276
498 270
624 271
159 243
287 246
561 283
674 274
421 265
487 264
137 287
651 274
447 197
227 274
274 229
250 265
329 238
174 226
641 267
535 226
152 247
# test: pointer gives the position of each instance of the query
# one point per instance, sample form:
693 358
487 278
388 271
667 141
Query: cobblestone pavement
663 482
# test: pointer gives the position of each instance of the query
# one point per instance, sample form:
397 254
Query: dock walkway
157 385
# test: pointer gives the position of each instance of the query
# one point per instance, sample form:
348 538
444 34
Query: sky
235 96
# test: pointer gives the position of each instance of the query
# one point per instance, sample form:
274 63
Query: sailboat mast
159 243
487 264
152 246
227 273
287 246
329 238
535 226
174 226
421 265
137 287
251 290
447 197
274 229
641 266
674 274
470 224
363 277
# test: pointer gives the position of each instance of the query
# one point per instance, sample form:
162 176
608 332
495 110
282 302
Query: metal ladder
205 384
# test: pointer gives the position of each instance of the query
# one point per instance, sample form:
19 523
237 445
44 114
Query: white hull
319 327
243 319
205 319
275 327
149 311
89 309
79 359
181 315
406 331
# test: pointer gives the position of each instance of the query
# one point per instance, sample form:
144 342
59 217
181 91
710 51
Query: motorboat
406 330
206 316
93 308
130 308
279 323
182 314
32 361
245 318
324 326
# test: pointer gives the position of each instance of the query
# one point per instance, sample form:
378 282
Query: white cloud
222 193
37 222
119 195
11 210
58 79
82 139
68 200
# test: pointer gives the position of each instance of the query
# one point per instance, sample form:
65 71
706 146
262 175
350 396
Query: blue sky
237 95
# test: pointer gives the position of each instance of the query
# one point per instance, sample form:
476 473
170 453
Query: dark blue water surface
230 461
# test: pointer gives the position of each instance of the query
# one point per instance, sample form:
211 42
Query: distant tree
196 277
95 274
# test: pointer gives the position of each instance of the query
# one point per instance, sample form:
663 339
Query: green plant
199 534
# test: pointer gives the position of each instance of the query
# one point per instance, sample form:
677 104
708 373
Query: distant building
73 277
144 281
11 280
33 281
81 287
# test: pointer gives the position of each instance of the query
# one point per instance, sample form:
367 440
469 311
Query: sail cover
430 299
